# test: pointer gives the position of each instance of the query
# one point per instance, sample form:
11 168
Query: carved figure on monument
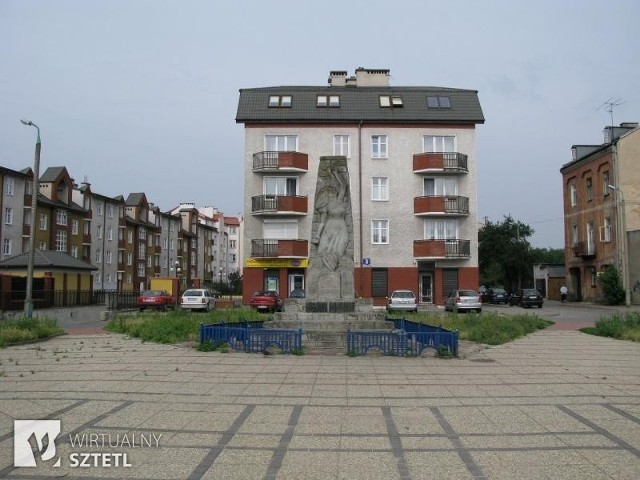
330 273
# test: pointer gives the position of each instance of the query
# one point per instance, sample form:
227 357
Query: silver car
198 299
463 300
402 300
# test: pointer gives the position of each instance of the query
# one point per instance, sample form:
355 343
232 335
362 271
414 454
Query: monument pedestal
324 331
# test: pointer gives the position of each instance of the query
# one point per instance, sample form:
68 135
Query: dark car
527 298
495 295
266 301
158 299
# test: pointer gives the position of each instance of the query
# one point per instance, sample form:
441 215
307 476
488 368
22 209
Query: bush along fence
407 339
251 337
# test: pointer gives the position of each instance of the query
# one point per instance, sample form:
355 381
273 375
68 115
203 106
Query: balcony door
440 186
280 186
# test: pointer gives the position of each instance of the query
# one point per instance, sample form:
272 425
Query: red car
266 301
158 299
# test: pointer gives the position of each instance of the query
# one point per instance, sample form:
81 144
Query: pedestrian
563 293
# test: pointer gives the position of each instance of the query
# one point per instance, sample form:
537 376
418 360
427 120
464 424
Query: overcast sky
141 95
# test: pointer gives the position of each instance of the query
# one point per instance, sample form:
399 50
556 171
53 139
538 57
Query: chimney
337 78
364 77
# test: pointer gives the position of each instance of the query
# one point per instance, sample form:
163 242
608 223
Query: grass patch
177 326
488 327
623 326
25 330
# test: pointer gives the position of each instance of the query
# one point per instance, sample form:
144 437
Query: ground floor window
379 282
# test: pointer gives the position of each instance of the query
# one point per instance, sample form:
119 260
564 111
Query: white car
403 300
198 299
463 300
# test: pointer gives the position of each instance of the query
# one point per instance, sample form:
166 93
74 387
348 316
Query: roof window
389 101
324 101
280 101
438 102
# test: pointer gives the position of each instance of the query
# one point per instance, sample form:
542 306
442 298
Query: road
567 316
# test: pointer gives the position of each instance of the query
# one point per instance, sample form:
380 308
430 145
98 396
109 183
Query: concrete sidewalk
552 405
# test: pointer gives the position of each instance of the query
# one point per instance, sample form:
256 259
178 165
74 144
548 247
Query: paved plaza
553 405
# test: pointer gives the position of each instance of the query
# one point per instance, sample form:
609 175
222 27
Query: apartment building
411 155
601 184
15 205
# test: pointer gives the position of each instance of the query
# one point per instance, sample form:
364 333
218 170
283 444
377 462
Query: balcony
278 205
268 162
442 248
274 248
450 205
584 249
443 162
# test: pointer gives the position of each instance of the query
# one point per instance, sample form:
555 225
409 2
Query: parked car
198 299
463 300
402 300
158 299
495 295
297 293
527 298
266 301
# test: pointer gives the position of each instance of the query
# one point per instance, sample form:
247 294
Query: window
108 278
149 261
575 237
589 189
332 101
27 216
109 257
280 185
61 240
8 216
342 145
141 270
573 195
100 207
99 231
74 251
110 233
441 229
28 188
605 183
387 101
594 276
280 101
143 234
74 227
438 102
42 246
591 243
129 236
110 211
605 230
233 244
379 189
280 229
281 143
98 255
6 246
379 232
378 146
43 221
440 186
9 186
61 217
439 144
129 258
142 250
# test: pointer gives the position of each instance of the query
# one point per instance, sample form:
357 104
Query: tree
235 282
505 256
554 256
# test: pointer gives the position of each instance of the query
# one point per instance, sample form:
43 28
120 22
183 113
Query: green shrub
611 283
623 326
25 329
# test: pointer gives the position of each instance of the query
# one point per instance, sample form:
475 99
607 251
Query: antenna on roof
609 104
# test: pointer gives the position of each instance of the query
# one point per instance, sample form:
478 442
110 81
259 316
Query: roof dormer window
438 102
332 101
391 101
280 101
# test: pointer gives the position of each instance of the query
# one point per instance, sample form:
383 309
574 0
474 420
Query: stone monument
330 270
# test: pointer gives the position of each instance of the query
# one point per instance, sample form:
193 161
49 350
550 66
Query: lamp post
221 271
624 246
28 301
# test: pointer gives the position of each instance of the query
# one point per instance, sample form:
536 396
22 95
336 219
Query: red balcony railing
287 161
278 204
454 248
274 248
441 205
450 162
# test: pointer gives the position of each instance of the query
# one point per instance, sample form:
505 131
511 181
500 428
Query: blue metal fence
421 336
251 337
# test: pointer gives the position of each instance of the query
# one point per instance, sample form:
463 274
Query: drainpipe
361 226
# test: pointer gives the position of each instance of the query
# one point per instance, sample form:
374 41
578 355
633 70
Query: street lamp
28 301
622 222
